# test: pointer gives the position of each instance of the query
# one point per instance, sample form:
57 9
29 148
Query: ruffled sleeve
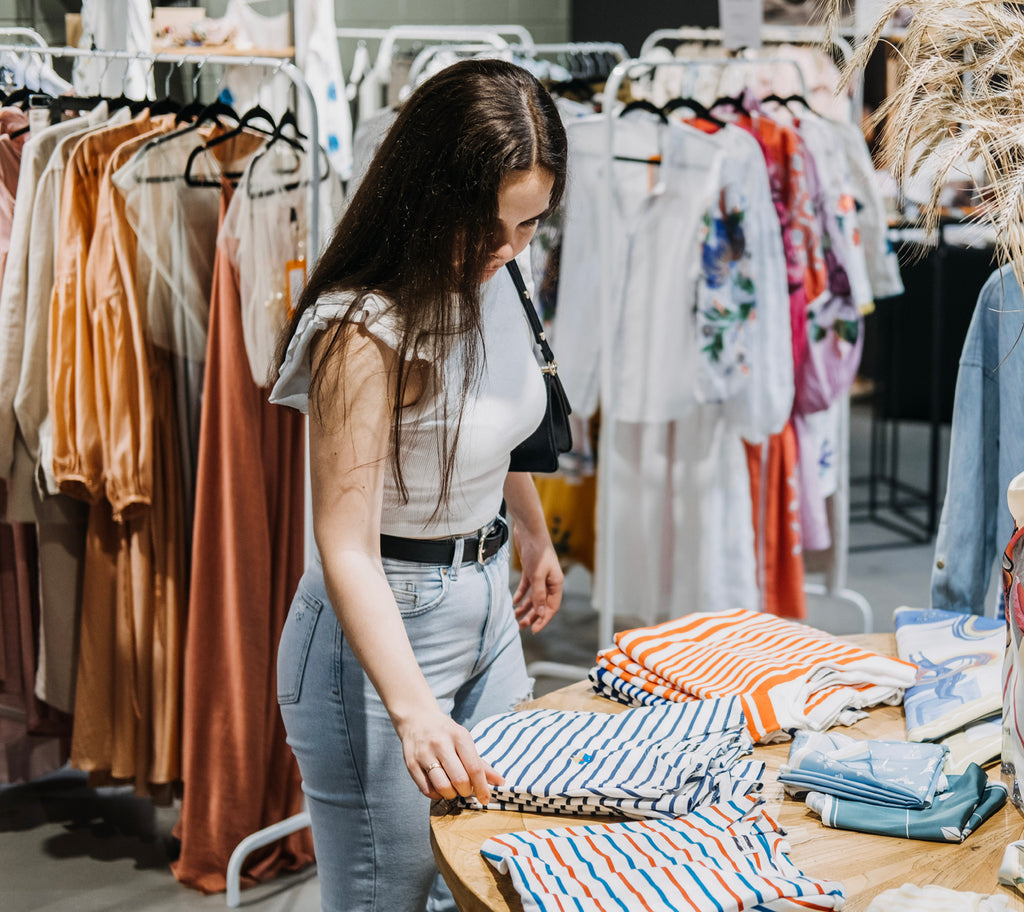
377 315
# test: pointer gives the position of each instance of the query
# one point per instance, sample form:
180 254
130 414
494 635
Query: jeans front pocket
417 587
293 650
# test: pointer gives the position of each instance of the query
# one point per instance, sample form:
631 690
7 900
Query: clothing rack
16 31
835 583
379 74
284 67
806 35
424 57
603 588
428 53
299 821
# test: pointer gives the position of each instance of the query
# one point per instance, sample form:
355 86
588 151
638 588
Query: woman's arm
348 459
539 593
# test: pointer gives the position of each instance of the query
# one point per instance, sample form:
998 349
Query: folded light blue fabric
892 773
954 815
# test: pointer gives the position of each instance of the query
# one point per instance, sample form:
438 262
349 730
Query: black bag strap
531 314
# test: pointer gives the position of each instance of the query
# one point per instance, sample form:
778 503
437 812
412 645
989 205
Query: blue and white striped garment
658 761
720 858
609 685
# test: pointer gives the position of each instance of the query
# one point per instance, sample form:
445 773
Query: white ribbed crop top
505 407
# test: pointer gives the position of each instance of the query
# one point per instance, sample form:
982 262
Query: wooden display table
865 865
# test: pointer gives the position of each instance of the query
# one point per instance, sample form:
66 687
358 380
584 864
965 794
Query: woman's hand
443 760
539 594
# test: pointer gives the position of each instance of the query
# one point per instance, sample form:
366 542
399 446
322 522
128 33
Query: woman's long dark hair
418 229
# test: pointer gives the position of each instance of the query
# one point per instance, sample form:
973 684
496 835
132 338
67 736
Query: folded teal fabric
901 774
952 817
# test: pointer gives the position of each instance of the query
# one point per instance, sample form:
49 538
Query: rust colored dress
247 557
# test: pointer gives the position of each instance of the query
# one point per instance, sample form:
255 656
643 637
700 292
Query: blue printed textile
901 774
956 813
960 662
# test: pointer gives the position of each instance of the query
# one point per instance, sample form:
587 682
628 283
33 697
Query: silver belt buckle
481 539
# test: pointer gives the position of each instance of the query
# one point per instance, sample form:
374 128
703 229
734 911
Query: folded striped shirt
645 762
724 857
788 676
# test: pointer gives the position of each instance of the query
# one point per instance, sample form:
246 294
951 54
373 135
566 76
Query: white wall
547 20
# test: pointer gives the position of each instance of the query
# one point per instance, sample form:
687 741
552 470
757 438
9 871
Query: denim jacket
986 449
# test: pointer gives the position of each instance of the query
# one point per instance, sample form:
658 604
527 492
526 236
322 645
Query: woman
410 347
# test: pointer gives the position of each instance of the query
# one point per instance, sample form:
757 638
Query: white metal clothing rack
31 35
299 821
836 572
835 583
804 35
603 586
379 76
511 52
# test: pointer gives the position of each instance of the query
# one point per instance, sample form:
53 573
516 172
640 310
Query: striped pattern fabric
724 857
787 676
658 761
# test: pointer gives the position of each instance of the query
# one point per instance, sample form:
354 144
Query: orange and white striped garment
723 858
787 675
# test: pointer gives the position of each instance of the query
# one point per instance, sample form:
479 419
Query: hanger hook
151 78
195 79
106 67
37 59
167 78
220 80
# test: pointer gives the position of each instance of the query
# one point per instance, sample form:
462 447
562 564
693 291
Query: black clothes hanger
257 112
731 101
208 113
674 104
290 185
787 100
575 88
642 104
288 120
163 106
71 104
22 98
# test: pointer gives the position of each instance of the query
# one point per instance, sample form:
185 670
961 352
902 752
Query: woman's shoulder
375 313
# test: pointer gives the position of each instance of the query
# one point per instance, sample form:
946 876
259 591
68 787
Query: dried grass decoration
961 99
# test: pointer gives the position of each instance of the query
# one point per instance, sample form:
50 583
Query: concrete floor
67 848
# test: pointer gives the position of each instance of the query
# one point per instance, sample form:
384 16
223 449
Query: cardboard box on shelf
72 29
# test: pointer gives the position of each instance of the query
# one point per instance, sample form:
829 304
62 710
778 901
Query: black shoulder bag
539 452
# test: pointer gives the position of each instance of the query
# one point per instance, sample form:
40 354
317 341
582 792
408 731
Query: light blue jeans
370 822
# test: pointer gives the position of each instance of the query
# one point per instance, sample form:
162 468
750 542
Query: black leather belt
475 548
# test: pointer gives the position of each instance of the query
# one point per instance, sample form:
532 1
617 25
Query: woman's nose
504 251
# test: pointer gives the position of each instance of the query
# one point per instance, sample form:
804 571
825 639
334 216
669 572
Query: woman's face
523 198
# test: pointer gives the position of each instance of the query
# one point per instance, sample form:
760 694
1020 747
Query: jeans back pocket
293 650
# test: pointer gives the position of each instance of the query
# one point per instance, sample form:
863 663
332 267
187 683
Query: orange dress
127 708
781 554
